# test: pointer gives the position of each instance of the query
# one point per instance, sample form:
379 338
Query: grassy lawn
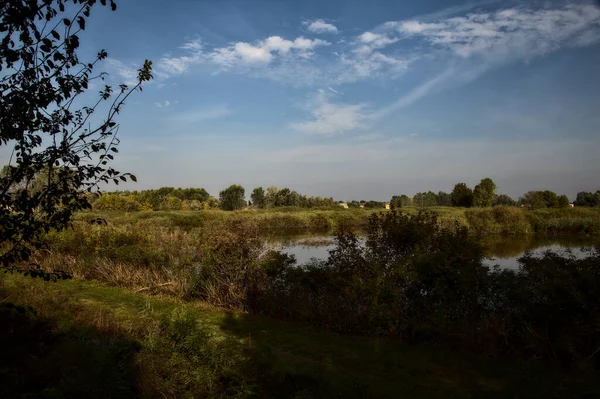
82 339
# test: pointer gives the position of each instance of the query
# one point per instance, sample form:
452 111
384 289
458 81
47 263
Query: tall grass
498 220
577 220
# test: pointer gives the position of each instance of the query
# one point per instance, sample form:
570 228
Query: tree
462 196
443 199
232 198
42 82
505 200
563 201
425 199
395 202
588 198
540 199
271 197
484 193
258 197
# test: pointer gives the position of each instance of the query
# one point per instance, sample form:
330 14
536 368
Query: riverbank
83 339
287 221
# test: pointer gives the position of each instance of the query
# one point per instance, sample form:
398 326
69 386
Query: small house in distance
344 205
571 205
387 205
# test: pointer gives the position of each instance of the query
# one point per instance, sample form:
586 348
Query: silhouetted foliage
41 82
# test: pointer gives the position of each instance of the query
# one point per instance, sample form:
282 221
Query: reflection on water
502 250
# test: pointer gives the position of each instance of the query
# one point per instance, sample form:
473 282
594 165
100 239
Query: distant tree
462 196
400 201
374 205
271 197
551 199
533 200
45 125
563 201
443 199
484 193
587 199
211 203
405 200
540 199
191 194
425 199
505 200
258 197
232 198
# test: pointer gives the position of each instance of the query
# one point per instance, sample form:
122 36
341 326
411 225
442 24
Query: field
139 314
86 339
285 221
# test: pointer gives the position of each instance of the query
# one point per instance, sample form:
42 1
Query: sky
357 99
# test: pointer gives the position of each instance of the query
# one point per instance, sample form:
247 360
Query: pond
502 250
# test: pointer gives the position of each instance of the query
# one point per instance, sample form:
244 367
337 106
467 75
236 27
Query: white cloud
320 26
264 51
328 118
250 54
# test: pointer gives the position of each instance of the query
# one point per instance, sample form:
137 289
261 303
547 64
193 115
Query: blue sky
358 99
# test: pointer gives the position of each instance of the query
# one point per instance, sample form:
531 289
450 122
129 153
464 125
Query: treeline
484 195
274 197
164 198
232 198
587 199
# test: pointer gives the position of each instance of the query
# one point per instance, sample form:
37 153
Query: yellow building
387 205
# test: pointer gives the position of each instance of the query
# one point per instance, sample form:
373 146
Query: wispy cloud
479 42
319 26
507 34
328 118
128 74
164 104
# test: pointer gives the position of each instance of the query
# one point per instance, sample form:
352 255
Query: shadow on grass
38 362
296 361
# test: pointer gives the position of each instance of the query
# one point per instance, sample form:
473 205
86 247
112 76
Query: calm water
503 251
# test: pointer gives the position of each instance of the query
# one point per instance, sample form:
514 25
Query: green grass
280 221
89 340
286 221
